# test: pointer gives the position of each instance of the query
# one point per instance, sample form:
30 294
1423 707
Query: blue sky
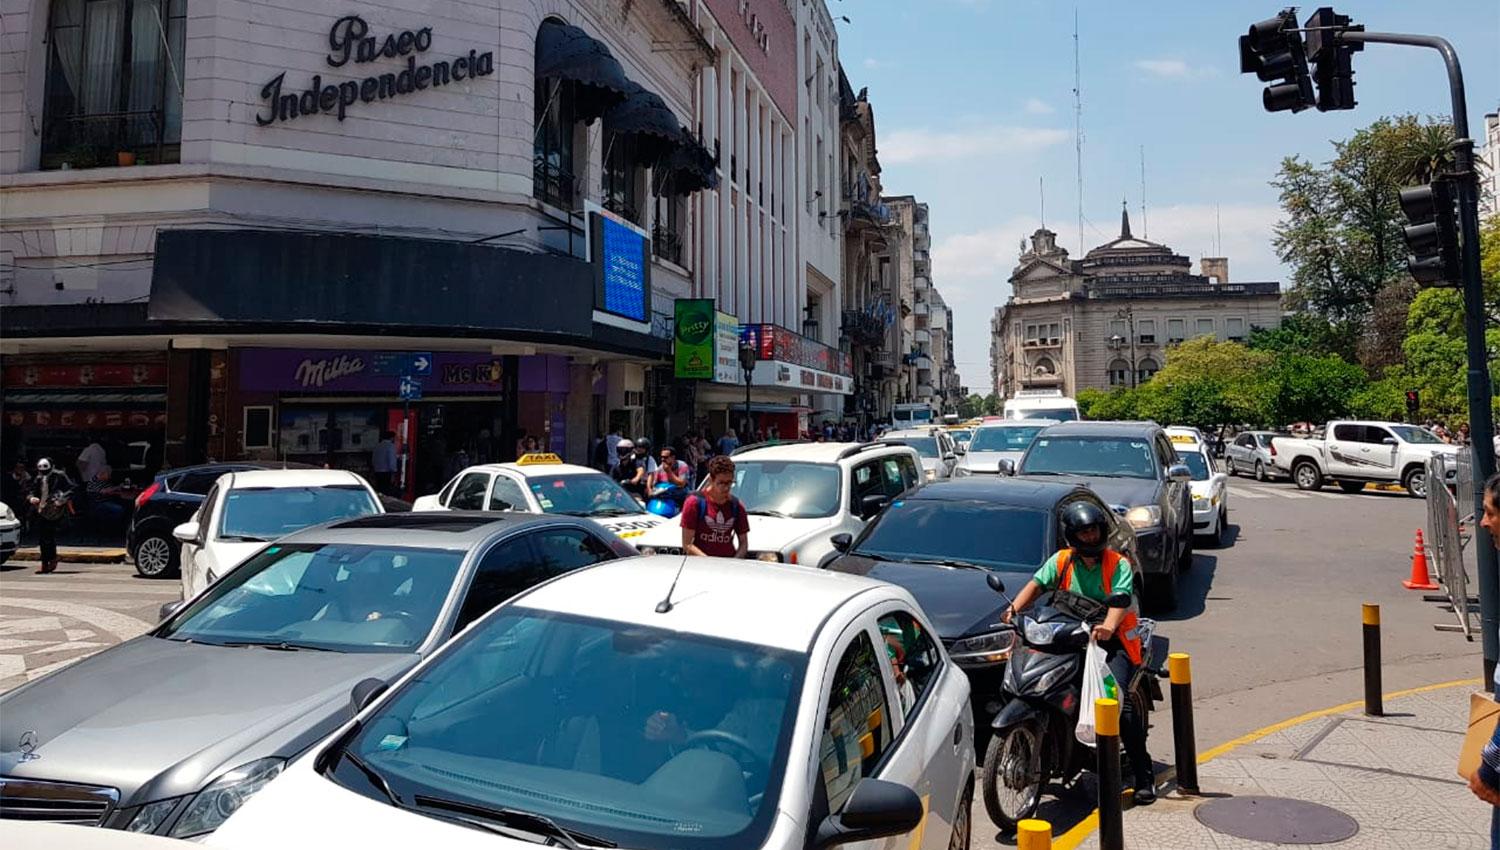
973 104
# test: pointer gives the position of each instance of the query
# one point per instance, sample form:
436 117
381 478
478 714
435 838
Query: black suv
1133 467
171 500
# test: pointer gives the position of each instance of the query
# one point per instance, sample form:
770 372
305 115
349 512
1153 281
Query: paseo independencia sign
349 40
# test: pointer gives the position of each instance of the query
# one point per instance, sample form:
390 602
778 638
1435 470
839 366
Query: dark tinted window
1118 457
983 533
1011 438
505 570
1351 433
195 483
563 549
507 495
470 492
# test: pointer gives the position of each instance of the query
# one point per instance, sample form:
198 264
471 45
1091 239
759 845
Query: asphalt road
1272 620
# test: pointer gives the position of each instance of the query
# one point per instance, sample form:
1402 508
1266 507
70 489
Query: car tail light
1273 448
146 494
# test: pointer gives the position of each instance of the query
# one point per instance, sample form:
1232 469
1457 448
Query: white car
994 443
652 703
33 835
10 532
244 511
543 484
937 450
799 495
1355 453
1209 486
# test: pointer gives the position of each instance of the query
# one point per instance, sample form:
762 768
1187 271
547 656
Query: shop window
114 83
622 176
257 430
552 146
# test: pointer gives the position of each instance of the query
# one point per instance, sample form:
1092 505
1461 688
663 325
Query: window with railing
114 83
621 176
552 149
669 229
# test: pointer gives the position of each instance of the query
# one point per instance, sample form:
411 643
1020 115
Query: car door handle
958 734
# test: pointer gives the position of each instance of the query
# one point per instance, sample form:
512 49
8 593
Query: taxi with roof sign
1209 486
541 483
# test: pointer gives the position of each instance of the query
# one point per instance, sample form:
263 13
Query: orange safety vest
1126 633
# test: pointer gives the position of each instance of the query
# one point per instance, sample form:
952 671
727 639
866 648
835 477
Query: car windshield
266 513
1413 434
642 737
582 495
984 533
1198 463
924 446
787 488
1118 457
1061 414
961 435
353 598
1007 439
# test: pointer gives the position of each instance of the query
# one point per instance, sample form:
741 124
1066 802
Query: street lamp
748 358
1128 314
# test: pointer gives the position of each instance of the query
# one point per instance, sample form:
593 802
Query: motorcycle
1032 739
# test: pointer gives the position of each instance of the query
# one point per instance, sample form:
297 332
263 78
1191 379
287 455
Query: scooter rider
1090 568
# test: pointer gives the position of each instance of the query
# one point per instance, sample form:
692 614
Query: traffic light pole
1481 426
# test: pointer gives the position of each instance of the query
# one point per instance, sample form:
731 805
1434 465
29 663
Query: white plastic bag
1098 683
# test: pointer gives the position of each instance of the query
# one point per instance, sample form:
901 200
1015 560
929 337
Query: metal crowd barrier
1450 515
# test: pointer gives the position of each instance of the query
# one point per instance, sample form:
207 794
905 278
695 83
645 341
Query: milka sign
349 40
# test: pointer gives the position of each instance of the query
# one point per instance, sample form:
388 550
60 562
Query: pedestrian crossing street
48 622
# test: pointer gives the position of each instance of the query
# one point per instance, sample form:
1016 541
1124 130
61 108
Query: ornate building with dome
1108 319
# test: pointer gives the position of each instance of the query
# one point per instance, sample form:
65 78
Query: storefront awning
692 167
644 115
568 53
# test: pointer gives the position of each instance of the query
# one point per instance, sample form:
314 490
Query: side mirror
187 532
1118 600
870 505
876 809
842 542
169 609
995 583
1007 467
1179 473
364 692
961 449
1389 441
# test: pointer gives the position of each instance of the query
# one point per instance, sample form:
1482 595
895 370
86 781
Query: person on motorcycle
1088 567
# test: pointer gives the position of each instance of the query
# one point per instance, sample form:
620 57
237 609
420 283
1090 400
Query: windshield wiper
777 514
281 645
610 512
483 816
376 779
947 562
243 538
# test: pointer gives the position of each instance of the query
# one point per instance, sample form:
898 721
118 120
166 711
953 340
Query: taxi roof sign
538 459
1183 439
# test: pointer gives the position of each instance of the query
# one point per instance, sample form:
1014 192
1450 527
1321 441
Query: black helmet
643 444
1079 516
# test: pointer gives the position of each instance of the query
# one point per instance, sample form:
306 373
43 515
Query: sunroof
421 521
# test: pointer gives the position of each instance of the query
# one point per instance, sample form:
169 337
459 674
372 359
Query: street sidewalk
1395 775
74 554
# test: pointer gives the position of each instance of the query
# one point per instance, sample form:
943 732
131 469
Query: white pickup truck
1355 453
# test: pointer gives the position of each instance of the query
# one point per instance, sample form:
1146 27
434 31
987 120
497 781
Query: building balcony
920 308
863 328
1042 342
921 282
925 392
921 337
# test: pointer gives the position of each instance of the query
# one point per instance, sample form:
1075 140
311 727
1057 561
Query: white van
1041 404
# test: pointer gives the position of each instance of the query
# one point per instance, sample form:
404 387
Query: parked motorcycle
1033 738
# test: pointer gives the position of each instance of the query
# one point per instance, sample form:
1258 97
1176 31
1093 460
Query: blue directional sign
421 363
410 388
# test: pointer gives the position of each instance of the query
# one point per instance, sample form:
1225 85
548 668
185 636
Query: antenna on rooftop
1078 127
1145 231
665 605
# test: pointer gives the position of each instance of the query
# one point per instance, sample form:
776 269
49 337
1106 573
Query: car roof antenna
665 605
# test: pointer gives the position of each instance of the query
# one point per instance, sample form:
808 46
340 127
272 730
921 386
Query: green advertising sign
693 339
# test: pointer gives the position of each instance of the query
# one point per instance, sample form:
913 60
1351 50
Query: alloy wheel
153 557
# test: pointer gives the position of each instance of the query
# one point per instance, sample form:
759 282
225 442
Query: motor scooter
1033 740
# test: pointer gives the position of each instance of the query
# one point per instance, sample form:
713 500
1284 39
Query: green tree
1341 231
1307 333
1383 399
1308 388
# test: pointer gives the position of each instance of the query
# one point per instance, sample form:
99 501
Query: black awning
692 167
644 115
568 53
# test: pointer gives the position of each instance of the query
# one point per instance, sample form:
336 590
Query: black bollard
1179 669
1107 744
1373 704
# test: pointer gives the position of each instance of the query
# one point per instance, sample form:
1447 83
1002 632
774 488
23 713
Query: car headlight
152 815
647 550
1143 516
980 650
774 557
224 796
1039 634
1201 503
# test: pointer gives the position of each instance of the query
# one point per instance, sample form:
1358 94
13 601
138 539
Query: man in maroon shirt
713 520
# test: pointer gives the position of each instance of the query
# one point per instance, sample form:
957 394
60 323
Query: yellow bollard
1180 671
1107 747
1033 835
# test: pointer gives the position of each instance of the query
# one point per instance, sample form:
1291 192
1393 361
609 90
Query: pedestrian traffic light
1413 402
1273 52
1331 58
1432 235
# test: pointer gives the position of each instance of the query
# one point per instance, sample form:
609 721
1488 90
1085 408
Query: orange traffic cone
1420 579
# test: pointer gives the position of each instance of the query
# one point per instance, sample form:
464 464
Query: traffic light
1413 402
1273 52
1331 58
1432 235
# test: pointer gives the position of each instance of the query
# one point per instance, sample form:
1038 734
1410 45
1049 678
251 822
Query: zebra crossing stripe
1249 494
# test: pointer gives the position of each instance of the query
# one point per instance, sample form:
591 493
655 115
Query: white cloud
872 63
1173 68
1246 229
924 144
1037 106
